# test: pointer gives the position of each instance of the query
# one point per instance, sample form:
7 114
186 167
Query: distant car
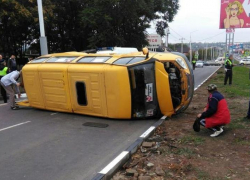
220 60
199 64
245 61
205 63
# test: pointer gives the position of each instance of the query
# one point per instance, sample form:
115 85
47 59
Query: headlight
181 63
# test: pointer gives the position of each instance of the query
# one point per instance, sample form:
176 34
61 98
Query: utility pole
190 55
167 33
202 54
43 39
182 44
206 51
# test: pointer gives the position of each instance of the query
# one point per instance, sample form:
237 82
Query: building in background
155 41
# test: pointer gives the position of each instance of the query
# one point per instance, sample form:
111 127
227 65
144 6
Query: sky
200 20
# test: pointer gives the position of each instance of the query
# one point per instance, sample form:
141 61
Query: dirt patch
177 152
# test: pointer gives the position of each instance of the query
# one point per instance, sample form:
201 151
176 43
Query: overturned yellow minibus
120 86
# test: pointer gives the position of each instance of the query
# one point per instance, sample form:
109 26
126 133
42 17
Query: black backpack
196 125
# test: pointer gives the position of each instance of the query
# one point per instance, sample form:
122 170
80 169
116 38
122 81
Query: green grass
184 151
241 82
192 140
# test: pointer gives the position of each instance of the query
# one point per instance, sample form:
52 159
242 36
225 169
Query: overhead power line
174 36
176 32
212 36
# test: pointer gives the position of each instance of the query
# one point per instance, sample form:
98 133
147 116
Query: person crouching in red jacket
216 114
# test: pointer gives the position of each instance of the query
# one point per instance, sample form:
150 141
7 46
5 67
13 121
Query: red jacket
217 113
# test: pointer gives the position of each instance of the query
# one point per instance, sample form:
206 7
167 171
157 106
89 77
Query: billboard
235 14
236 47
154 40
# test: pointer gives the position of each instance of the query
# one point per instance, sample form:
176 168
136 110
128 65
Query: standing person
7 81
3 72
194 63
216 114
248 112
229 70
12 65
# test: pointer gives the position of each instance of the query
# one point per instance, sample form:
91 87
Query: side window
81 94
123 61
94 59
128 60
136 59
61 59
39 60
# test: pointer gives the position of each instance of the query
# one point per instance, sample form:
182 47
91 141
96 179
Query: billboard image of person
235 14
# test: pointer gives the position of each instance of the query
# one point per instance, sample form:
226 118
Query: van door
87 90
54 86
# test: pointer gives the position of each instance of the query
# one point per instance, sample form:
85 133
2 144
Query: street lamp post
182 44
190 57
43 39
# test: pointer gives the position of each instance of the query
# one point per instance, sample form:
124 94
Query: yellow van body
118 86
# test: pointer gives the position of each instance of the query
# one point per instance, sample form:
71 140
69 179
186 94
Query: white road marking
3 104
147 132
114 162
14 126
163 117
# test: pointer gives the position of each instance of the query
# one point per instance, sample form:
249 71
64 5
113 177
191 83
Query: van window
38 60
61 59
81 93
128 60
93 59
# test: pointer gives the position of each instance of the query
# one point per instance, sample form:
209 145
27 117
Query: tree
165 12
74 25
18 25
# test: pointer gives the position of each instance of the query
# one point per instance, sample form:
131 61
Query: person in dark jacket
3 72
228 70
12 64
194 63
216 114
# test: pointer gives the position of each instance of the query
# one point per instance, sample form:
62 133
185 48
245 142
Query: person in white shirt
7 81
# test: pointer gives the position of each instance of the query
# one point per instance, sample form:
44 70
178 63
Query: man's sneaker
217 133
15 108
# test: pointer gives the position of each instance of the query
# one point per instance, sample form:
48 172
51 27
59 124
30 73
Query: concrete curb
107 172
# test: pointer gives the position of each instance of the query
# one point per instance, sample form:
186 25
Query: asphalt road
201 74
56 146
44 145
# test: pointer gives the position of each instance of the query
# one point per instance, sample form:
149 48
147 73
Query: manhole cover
93 124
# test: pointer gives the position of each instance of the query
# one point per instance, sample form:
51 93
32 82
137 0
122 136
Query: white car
245 61
220 60
199 64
